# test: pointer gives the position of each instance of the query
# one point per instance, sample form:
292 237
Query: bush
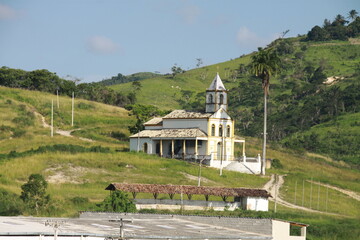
119 135
79 200
276 164
117 202
10 204
85 106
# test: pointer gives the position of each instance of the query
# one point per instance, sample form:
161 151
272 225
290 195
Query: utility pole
72 110
303 193
311 183
276 191
295 192
52 118
55 225
199 177
121 221
57 98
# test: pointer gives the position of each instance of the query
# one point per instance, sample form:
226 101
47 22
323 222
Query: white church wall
186 123
134 144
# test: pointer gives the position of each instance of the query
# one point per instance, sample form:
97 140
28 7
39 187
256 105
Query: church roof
154 121
217 84
187 114
171 133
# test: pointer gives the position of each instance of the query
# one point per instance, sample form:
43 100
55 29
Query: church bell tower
216 96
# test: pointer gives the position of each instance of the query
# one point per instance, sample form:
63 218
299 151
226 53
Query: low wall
186 204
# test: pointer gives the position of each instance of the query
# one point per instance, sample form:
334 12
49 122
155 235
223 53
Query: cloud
189 13
102 45
7 13
249 39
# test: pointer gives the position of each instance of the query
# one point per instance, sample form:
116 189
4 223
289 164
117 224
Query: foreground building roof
100 225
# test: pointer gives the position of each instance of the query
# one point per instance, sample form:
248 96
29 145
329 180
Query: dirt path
273 188
66 133
351 194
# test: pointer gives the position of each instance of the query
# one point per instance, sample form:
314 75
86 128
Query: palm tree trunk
263 162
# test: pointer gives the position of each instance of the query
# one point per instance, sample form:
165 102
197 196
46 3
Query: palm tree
264 64
353 14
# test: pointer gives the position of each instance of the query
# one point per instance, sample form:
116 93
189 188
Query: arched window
221 99
228 131
145 148
220 130
213 130
211 98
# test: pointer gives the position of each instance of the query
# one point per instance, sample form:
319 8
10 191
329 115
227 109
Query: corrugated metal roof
171 133
187 114
185 189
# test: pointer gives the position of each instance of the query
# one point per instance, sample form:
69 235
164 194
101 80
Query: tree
352 14
176 70
264 64
118 202
318 34
199 62
136 85
34 192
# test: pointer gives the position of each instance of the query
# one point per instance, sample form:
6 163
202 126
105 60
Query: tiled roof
171 133
154 121
185 189
187 114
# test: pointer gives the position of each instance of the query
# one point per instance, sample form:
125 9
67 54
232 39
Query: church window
228 131
213 130
211 98
220 130
221 99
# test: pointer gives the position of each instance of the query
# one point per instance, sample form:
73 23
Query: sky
95 39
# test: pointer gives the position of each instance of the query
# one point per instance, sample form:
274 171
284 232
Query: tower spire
216 95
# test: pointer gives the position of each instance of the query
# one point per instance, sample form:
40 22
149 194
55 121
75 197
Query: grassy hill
75 174
298 101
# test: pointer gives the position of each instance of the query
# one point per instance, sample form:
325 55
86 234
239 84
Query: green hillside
78 168
299 99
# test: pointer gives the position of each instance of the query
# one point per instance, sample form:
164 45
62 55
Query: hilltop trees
43 80
337 29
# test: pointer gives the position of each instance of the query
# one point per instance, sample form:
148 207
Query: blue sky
96 39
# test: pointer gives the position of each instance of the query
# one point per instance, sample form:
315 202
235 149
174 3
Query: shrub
276 164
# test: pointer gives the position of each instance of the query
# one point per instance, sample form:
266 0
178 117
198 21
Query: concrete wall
281 231
187 204
257 204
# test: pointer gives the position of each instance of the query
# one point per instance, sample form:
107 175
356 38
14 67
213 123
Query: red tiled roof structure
189 190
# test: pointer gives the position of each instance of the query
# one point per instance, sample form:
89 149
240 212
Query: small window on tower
221 99
213 130
211 98
220 130
228 131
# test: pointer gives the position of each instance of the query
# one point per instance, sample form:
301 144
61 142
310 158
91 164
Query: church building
207 136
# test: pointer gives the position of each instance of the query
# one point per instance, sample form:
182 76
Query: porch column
184 148
161 148
243 150
196 147
172 148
